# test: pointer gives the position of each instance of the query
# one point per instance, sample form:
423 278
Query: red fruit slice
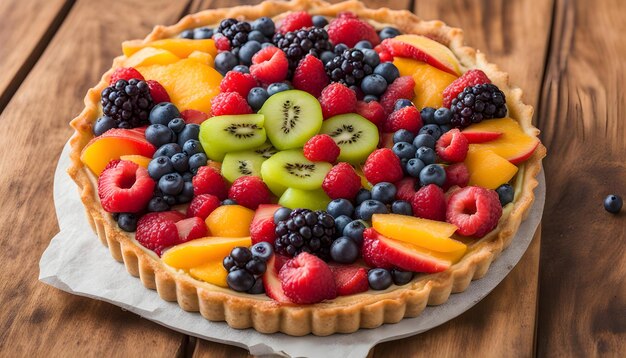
269 65
399 48
481 137
125 187
349 279
380 251
193 116
271 282
191 229
262 227
307 279
474 210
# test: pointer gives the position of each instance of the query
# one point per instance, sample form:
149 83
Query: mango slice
151 56
179 47
230 221
202 251
211 272
487 169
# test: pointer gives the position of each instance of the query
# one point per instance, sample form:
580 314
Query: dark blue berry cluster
246 266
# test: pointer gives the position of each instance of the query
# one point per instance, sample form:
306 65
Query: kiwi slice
356 136
291 118
222 134
294 198
245 162
266 150
290 169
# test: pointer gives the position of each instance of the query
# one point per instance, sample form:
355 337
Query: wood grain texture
36 319
582 306
25 30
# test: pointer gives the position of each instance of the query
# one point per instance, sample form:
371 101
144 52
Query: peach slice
137 159
211 272
429 81
112 145
151 56
230 221
513 145
199 252
202 57
190 84
487 169
179 47
423 49
429 234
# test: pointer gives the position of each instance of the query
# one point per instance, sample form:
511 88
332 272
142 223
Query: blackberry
476 103
128 103
297 44
236 31
349 67
305 230
246 267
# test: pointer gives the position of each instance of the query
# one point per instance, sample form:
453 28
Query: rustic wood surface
566 297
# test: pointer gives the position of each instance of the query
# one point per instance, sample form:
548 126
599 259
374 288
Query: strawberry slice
269 65
271 282
191 229
349 279
125 187
307 279
192 116
262 227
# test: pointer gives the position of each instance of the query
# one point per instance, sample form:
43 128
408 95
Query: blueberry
281 214
363 44
404 150
190 131
426 155
257 288
277 87
431 129
445 128
424 140
159 134
505 193
362 195
370 97
202 33
371 207
180 162
257 97
327 56
157 204
192 147
442 116
370 57
163 113
160 166
354 230
171 184
248 50
127 222
344 250
167 150
340 48
186 194
414 167
428 115
613 203
103 124
388 70
187 34
228 263
433 174
403 135
187 177
240 280
401 277
265 25
374 84
401 207
384 192
241 69
341 222
256 267
388 33
319 21
262 250
401 103
267 44
339 207
169 199
257 36
379 279
196 161
229 202
241 255
225 61
176 125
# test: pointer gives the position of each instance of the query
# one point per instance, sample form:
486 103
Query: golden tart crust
343 314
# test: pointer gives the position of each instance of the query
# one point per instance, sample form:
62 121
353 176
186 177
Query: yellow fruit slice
230 221
151 56
137 159
429 234
212 272
513 145
202 57
429 81
199 252
179 47
432 48
487 169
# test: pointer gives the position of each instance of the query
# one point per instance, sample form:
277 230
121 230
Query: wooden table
566 297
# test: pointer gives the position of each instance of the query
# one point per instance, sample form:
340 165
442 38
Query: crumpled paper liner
77 263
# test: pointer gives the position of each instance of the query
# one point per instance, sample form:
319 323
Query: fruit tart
305 167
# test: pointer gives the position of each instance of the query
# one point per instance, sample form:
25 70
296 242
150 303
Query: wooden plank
582 308
36 319
25 30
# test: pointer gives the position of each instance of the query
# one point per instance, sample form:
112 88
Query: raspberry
452 146
429 203
269 65
474 210
124 187
202 205
158 231
401 88
125 73
209 181
406 189
405 118
382 165
307 279
222 43
456 174
229 103
321 148
249 191
238 82
310 76
342 181
158 93
191 229
469 78
337 99
295 21
193 116
349 30
349 280
372 111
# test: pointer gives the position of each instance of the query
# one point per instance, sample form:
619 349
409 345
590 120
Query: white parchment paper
76 262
